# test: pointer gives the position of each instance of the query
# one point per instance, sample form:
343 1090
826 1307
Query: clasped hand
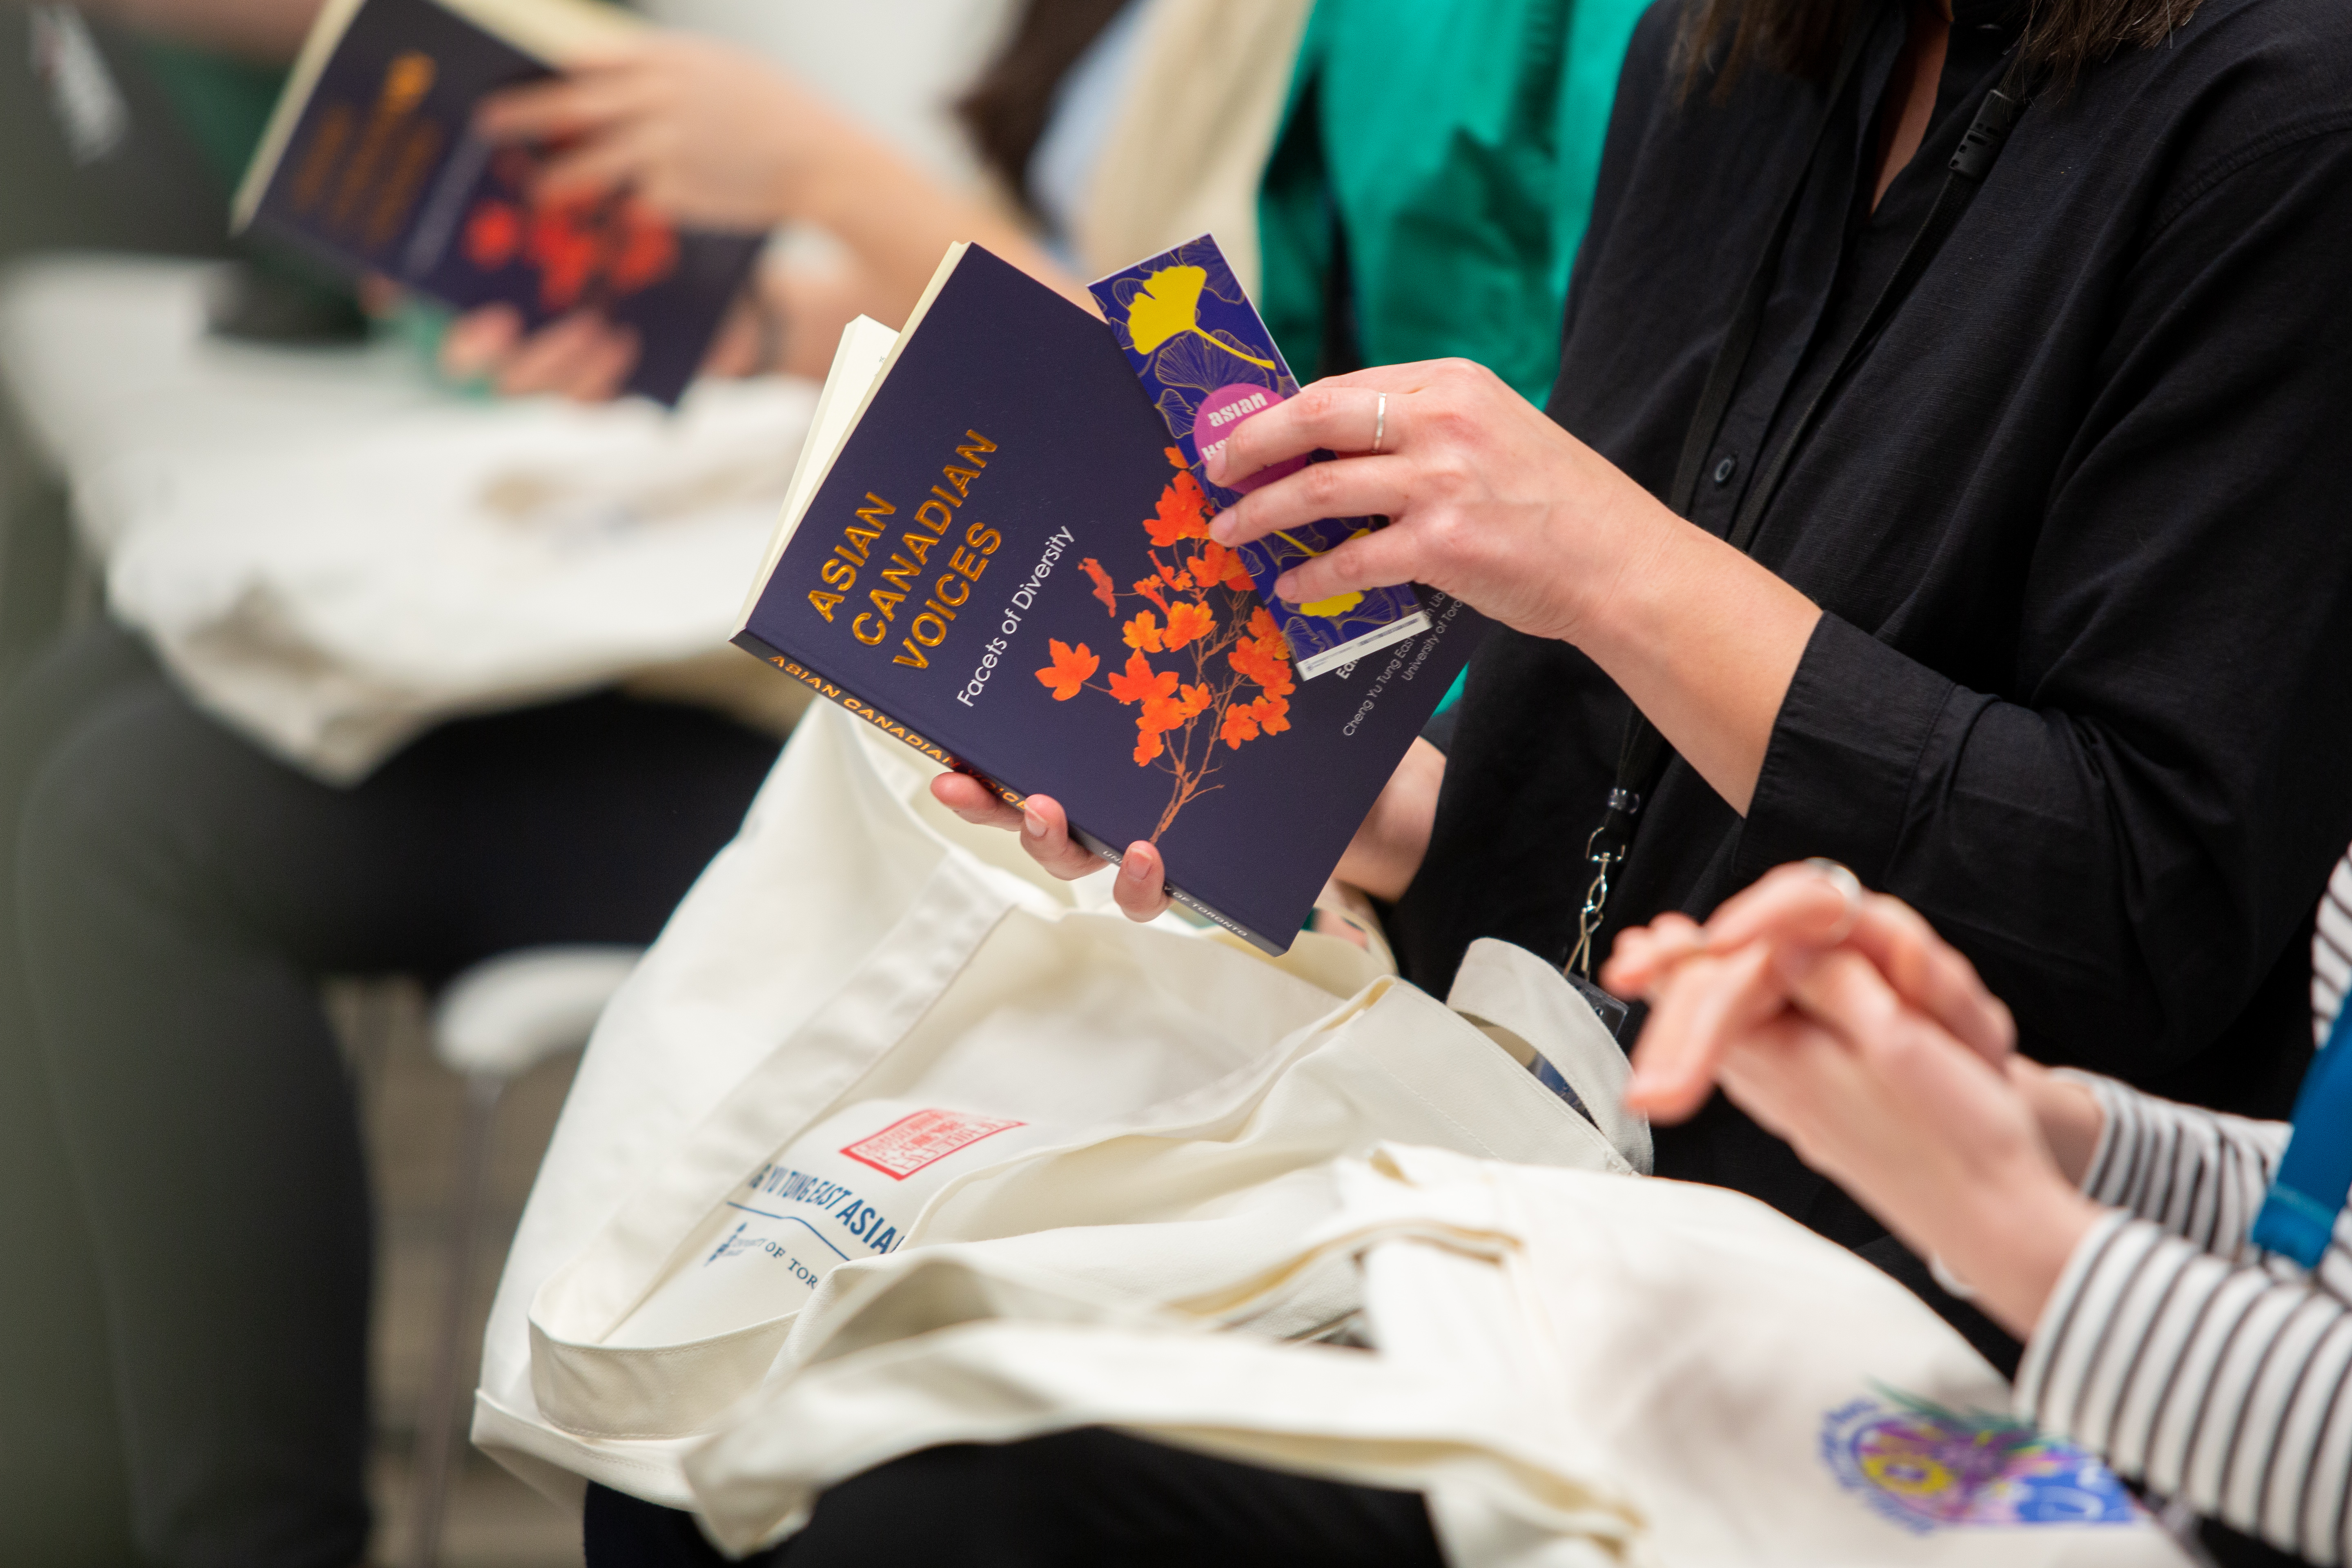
1843 1024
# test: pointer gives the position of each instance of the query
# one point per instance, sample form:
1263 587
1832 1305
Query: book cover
1207 363
1007 565
371 164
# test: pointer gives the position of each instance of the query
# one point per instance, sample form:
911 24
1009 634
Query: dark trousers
1088 1498
185 1223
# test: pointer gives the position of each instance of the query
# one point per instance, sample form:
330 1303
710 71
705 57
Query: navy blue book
370 164
992 551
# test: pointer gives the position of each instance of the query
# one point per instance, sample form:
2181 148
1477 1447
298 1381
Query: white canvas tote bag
870 1028
1577 1369
335 596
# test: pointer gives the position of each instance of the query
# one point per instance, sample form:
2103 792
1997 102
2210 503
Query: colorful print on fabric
1925 1468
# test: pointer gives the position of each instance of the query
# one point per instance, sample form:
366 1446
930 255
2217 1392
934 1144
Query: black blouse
2083 689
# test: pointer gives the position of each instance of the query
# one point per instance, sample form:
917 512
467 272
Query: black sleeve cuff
1841 768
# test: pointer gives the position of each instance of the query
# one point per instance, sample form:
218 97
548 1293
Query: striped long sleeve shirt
2218 1374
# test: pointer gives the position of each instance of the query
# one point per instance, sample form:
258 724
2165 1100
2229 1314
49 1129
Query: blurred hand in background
709 136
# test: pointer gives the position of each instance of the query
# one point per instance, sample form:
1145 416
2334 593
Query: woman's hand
1843 1022
1383 858
711 137
1141 888
587 358
1790 908
1490 501
1478 484
1750 941
1923 1131
708 135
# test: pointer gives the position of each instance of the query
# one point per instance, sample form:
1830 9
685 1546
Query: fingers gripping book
370 164
994 551
1207 363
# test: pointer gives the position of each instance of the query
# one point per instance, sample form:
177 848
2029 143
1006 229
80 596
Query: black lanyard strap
1642 754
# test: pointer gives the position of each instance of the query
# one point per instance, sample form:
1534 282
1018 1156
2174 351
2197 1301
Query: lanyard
2298 1213
1642 754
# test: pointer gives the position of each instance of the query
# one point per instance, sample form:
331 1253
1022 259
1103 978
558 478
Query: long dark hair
1006 108
2062 37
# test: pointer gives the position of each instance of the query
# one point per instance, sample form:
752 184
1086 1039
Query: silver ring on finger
1381 423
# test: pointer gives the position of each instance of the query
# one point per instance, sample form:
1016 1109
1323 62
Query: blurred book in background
372 162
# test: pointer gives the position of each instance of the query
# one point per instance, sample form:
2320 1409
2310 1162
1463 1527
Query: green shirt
1453 145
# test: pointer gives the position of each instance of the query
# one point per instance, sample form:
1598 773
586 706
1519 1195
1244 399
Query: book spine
835 692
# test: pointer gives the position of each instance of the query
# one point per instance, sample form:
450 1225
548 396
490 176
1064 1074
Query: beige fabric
1577 1369
1145 1107
335 599
1188 146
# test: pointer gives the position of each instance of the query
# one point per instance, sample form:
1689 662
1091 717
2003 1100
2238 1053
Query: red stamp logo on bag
922 1138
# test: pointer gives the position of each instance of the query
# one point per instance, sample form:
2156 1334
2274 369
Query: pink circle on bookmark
1221 414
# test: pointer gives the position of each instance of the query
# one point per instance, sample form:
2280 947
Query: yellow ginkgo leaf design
1169 306
1337 603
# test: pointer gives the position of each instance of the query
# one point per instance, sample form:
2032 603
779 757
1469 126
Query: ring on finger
1849 887
1381 423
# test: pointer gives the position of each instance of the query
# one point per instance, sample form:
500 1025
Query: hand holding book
1381 859
1491 502
709 134
995 551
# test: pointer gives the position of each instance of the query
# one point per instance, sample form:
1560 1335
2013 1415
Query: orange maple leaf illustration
1217 566
1142 634
1183 512
1253 661
1139 682
1208 614
1070 669
1161 713
1187 622
1103 590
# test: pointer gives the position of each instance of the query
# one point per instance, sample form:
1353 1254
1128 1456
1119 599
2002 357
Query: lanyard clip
1604 851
